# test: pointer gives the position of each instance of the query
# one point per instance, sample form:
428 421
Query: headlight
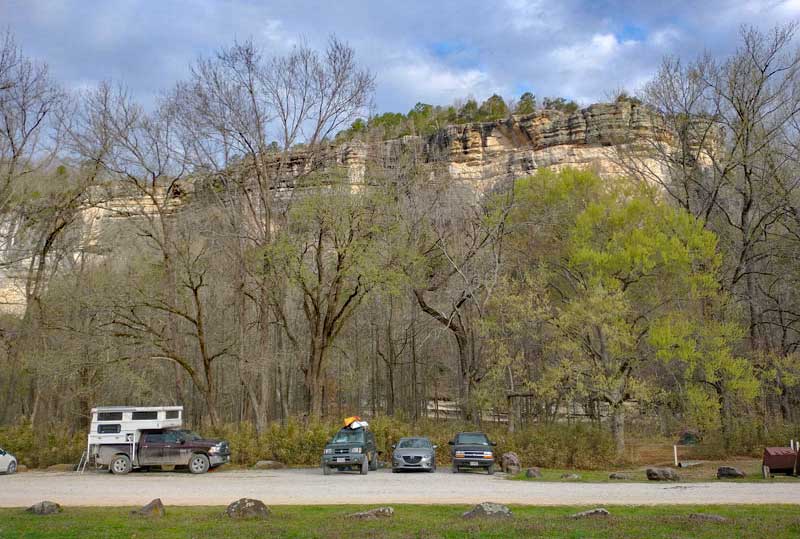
487 454
213 450
426 458
459 454
355 450
329 451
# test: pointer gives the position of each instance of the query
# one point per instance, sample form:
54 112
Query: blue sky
419 50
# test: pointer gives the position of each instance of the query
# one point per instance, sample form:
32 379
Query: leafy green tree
526 104
618 263
494 108
468 112
560 104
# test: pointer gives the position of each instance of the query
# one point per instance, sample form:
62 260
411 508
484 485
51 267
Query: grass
704 471
409 522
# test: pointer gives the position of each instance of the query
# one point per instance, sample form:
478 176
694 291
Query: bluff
479 154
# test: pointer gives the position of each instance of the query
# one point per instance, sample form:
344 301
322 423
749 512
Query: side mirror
451 442
393 446
182 441
435 447
494 443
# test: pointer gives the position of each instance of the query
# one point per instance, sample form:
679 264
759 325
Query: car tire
199 464
326 470
373 464
365 466
12 468
490 469
120 465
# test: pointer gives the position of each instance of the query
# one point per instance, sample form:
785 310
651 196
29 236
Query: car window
155 438
349 436
2 452
172 437
414 443
472 438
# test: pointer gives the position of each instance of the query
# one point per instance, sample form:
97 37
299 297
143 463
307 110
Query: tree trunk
618 427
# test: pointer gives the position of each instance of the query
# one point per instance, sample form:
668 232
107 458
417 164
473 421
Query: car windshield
348 436
414 443
189 435
472 438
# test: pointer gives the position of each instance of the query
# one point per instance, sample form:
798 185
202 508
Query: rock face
592 513
154 509
269 465
488 510
729 472
373 514
247 508
533 473
44 508
510 463
662 474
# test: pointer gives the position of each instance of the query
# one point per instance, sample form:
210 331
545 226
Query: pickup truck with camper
352 448
472 450
124 438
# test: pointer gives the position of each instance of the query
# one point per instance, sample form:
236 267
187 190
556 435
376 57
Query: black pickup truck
165 447
472 450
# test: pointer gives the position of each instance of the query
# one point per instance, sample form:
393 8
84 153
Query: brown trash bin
779 460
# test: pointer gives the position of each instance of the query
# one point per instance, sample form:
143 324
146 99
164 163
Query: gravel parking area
310 487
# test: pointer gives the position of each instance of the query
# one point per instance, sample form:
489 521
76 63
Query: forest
237 270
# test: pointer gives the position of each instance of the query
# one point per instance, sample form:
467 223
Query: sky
419 50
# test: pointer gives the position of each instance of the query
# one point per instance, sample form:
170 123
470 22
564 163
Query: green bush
57 446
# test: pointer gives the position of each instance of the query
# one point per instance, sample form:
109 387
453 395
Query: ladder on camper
83 462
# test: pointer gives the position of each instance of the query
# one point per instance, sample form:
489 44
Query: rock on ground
532 473
510 463
153 509
619 476
662 474
570 476
247 508
21 468
378 512
488 509
44 508
729 472
269 465
707 517
591 513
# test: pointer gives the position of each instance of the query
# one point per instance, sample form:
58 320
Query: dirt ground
309 486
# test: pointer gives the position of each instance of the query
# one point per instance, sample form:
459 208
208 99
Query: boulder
44 508
373 514
510 463
154 509
729 472
488 510
570 477
707 517
269 465
533 473
247 508
662 474
616 476
592 513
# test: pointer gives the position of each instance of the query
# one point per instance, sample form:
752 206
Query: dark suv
472 450
351 449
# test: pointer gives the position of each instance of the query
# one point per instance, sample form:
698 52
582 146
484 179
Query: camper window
109 416
108 429
145 415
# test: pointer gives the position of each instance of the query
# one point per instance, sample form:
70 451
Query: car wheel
490 469
120 465
373 464
364 466
199 463
326 470
12 467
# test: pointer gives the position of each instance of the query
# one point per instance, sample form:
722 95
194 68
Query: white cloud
593 55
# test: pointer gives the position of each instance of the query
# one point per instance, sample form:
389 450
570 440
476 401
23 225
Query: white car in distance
8 462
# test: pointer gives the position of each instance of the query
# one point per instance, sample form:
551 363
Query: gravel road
309 486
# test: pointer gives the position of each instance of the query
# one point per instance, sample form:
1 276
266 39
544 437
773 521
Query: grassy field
409 522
